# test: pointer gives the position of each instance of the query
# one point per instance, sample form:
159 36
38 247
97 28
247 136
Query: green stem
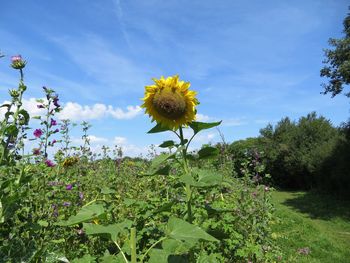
186 169
133 245
149 249
121 251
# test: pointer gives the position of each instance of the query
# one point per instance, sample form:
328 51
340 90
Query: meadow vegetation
216 204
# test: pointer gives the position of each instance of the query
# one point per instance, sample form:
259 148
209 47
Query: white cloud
120 140
75 111
202 117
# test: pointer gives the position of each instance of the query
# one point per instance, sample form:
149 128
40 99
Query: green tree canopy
337 61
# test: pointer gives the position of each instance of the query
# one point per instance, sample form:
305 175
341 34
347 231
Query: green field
317 222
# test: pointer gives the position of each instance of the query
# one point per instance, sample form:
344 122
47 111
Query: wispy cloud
120 16
100 61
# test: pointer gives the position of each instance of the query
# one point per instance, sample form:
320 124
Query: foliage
91 208
295 151
338 62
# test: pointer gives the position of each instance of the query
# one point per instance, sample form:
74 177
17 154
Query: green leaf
156 168
158 128
85 214
158 256
162 171
209 178
11 130
198 126
187 179
108 258
176 247
113 230
159 160
25 115
208 152
43 223
107 190
181 230
167 144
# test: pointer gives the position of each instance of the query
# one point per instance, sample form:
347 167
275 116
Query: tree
337 61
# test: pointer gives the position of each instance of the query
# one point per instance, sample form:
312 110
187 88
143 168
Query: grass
317 222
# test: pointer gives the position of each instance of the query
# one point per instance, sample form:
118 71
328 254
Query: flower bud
18 62
14 93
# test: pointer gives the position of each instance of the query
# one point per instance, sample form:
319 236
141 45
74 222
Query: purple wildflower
69 187
53 122
36 151
81 195
49 163
39 106
55 131
37 133
66 203
55 102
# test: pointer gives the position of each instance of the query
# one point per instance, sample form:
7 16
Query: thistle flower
37 133
49 163
170 102
36 151
17 62
69 187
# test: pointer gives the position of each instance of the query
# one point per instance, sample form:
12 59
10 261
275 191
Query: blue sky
251 62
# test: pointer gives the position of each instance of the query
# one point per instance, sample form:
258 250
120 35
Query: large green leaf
113 230
85 214
209 178
158 256
176 247
198 126
158 128
187 179
181 230
208 152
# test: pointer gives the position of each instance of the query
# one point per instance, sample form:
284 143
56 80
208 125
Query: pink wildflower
37 133
49 163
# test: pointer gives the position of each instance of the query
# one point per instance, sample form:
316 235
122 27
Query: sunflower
170 102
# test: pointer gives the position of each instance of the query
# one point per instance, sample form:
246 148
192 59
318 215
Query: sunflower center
169 103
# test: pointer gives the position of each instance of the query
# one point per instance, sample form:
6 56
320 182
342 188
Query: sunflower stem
188 189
